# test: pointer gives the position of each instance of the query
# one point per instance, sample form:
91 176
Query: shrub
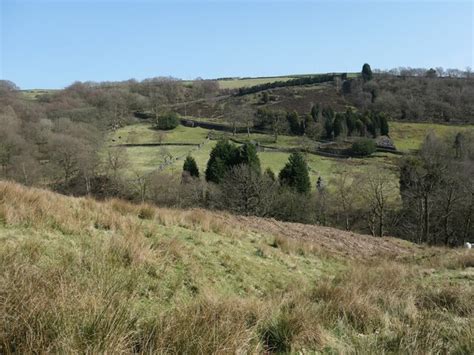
167 121
363 147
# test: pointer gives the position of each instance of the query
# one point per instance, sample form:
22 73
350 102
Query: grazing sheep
468 245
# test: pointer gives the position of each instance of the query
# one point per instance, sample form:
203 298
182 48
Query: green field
240 83
409 136
144 160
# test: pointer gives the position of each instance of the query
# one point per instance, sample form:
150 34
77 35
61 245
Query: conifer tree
295 174
191 167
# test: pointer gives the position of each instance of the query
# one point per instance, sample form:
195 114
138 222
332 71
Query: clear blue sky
50 44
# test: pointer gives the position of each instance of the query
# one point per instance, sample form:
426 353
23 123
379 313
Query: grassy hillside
78 275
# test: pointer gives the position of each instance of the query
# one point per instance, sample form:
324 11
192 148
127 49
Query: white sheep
468 245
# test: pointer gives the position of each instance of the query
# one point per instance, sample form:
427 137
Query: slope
77 275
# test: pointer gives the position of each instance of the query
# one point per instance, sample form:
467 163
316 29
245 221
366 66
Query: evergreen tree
337 126
223 156
191 167
384 130
366 72
295 174
315 112
371 124
350 122
328 127
248 156
293 122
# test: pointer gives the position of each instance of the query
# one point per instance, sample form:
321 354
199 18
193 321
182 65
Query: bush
363 147
167 121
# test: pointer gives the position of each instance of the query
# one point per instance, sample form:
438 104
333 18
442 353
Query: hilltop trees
366 72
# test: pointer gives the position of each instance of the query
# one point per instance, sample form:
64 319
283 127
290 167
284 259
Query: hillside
77 275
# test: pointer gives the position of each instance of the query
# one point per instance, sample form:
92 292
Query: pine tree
191 167
384 130
350 122
295 174
293 122
366 72
315 112
337 126
223 156
248 156
329 127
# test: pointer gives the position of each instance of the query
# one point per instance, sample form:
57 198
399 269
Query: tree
337 126
329 127
350 121
377 188
366 72
459 145
294 122
167 121
223 156
248 156
245 191
190 167
384 130
295 174
363 147
420 177
431 73
345 196
315 112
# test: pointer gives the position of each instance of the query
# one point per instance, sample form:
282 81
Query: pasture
170 158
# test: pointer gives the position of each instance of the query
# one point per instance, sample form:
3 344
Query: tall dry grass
78 276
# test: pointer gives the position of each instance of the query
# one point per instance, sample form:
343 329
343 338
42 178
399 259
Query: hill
79 275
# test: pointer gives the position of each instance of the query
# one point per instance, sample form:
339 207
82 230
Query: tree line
323 123
414 95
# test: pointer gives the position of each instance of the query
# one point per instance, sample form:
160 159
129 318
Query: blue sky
50 44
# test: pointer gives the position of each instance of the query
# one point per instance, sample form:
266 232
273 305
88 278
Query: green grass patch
240 83
410 136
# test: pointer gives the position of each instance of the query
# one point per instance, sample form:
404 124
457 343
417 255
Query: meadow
409 136
406 136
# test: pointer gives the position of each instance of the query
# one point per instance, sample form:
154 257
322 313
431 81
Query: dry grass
79 276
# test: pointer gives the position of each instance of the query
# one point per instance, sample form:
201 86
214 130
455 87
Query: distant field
409 136
240 83
35 93
144 160
144 133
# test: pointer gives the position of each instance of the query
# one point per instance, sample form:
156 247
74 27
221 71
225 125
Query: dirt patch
329 240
